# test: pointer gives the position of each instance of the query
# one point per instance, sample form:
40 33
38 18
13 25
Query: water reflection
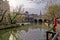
27 32
32 34
12 37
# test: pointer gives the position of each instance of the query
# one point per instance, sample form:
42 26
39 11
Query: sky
32 6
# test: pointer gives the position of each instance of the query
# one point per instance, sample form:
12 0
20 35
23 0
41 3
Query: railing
53 35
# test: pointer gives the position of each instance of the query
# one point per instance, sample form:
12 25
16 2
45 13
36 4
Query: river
32 34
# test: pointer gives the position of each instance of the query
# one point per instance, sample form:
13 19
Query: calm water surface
32 34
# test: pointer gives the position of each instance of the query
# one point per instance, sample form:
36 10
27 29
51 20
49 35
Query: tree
12 19
53 10
19 9
20 14
3 13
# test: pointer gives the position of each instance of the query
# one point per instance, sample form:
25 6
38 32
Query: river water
32 34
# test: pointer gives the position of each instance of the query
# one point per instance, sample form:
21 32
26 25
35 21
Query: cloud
33 5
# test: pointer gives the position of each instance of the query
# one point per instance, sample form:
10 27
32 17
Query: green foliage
5 34
53 10
12 19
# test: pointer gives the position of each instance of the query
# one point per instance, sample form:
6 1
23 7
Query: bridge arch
40 21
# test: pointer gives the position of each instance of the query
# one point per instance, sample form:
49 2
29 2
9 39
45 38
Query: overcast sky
33 6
